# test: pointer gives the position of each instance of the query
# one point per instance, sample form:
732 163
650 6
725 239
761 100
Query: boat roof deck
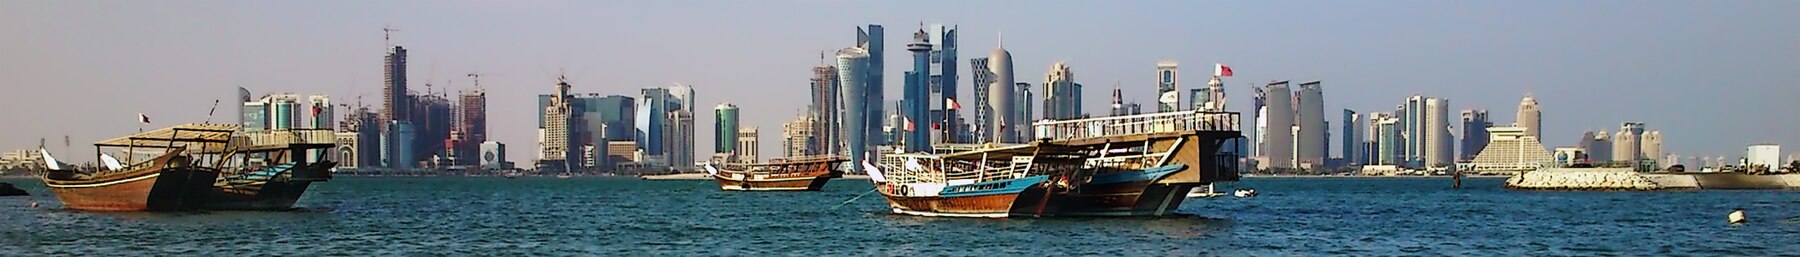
194 136
204 139
1082 148
799 161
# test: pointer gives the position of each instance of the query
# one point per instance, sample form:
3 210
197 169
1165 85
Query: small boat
1244 193
1203 192
800 174
511 174
175 179
565 175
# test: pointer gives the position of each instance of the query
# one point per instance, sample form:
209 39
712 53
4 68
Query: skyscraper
243 97
394 96
917 96
796 136
319 113
1412 131
982 79
725 130
1438 142
1020 129
946 126
1278 141
872 44
1385 139
396 104
557 149
1599 146
1167 97
1000 102
471 124
1529 117
1310 117
682 97
748 142
679 140
1259 113
826 131
1215 96
652 116
853 65
1651 144
1061 100
1474 133
1627 144
1352 137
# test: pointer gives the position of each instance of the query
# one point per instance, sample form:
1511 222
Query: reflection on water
594 216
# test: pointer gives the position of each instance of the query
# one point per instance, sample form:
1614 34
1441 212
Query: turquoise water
619 216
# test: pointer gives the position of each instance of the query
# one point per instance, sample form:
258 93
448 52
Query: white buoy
34 204
1736 216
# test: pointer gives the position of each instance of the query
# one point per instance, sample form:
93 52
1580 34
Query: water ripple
611 217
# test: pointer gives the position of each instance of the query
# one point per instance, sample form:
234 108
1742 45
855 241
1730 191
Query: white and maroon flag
1220 70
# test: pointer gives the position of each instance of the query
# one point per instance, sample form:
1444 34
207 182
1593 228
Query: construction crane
387 34
477 77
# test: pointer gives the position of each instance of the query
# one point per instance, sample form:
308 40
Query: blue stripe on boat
1135 176
1010 186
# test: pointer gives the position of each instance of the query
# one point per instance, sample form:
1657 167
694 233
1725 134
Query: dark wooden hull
1130 195
813 183
271 194
176 189
1124 199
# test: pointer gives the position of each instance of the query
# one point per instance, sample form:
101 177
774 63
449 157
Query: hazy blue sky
1712 75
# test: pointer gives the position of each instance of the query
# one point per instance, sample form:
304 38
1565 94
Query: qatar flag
1220 70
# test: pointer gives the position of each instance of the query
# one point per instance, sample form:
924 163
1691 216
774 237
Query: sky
1713 76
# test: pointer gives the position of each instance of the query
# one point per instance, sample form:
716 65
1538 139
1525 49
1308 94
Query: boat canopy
799 160
222 138
1040 150
192 136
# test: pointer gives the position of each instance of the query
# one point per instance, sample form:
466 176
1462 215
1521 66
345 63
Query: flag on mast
1220 70
145 119
950 103
909 123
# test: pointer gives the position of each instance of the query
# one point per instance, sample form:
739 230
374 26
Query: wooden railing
1138 124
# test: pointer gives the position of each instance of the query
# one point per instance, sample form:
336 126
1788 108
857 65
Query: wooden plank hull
1133 199
271 193
985 206
177 189
814 183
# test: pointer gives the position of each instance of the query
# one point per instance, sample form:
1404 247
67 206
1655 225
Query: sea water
631 217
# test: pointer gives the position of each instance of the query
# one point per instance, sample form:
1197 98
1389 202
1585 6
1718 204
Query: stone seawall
1582 179
1626 179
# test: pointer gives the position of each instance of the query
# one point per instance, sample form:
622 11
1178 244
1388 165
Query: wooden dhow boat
273 169
803 174
174 179
1138 165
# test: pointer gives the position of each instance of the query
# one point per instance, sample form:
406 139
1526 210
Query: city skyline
191 55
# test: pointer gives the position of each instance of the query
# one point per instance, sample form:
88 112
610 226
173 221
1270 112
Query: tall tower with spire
1118 100
917 94
1000 97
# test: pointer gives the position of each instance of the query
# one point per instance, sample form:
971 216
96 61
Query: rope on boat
853 199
